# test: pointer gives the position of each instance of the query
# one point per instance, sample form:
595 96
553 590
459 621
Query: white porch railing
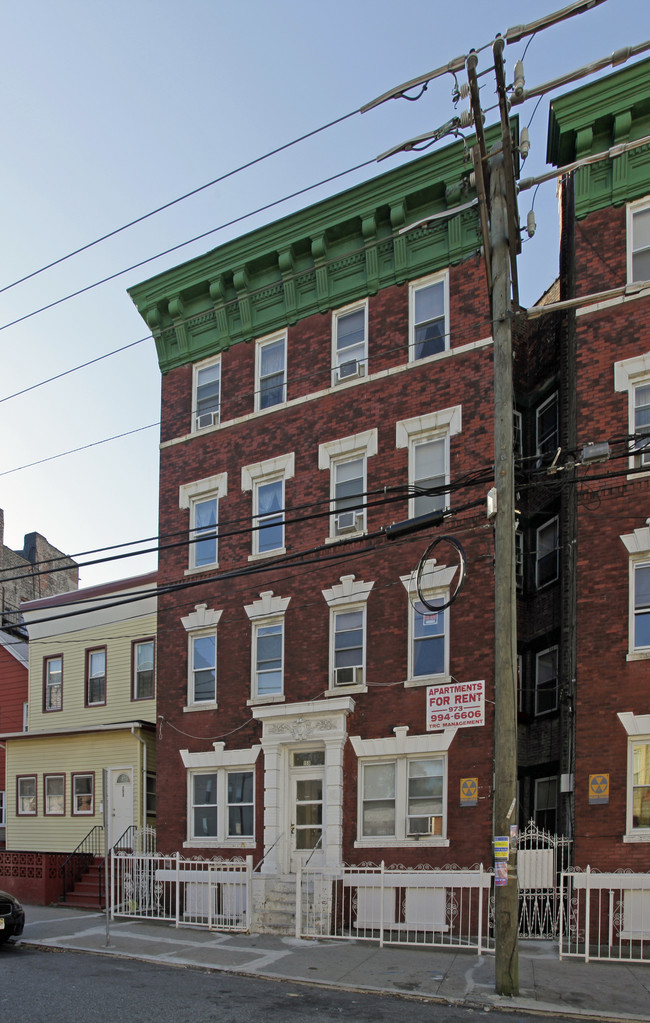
609 916
206 893
396 905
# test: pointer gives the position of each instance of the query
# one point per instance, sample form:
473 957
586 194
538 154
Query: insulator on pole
530 224
524 143
519 82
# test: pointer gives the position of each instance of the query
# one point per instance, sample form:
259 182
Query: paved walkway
607 991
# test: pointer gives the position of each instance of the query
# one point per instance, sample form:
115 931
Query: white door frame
116 831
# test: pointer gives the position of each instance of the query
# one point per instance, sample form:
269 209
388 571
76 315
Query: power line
181 245
181 198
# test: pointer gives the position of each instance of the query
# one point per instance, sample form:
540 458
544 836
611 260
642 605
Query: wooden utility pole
506 920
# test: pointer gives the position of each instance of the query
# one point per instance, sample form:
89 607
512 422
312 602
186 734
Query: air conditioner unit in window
349 522
348 676
350 369
207 419
422 825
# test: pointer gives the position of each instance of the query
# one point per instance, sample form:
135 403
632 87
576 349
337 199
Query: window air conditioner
349 522
348 676
421 825
207 419
350 369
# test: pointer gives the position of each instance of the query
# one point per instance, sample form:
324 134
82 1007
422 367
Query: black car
12 917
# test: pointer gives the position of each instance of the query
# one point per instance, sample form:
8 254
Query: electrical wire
181 245
181 198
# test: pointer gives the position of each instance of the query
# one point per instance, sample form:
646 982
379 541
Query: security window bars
95 677
428 320
143 670
204 806
53 683
546 681
241 806
207 395
272 373
642 606
268 653
351 348
203 668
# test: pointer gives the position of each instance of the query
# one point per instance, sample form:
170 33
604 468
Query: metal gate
541 858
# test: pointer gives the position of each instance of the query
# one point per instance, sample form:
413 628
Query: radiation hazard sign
468 791
599 788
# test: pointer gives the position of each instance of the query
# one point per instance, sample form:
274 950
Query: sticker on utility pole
501 873
458 705
598 788
501 846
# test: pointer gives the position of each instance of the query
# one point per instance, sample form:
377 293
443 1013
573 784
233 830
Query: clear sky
111 110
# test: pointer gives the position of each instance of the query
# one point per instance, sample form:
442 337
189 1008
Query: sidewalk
609 991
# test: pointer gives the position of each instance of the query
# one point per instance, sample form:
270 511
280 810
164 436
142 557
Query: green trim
323 257
592 119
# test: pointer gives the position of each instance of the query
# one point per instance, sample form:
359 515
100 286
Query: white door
121 803
307 810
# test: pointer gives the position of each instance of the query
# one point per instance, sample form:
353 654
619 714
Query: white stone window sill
342 690
639 655
346 536
208 705
428 680
262 555
637 837
215 843
203 568
256 701
435 841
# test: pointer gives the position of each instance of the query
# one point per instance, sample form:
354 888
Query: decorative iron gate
541 858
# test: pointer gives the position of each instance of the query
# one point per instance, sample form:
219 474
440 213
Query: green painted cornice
592 119
321 258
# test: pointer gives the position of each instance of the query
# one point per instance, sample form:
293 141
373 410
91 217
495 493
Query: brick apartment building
330 374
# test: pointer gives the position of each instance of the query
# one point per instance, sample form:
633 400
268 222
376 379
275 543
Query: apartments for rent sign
459 705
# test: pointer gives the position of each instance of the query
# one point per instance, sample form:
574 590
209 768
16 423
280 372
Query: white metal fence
396 905
608 916
541 857
206 893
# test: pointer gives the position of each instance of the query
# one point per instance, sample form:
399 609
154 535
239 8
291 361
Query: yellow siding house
88 757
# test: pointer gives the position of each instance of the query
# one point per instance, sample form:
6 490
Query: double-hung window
633 376
545 810
266 481
546 681
350 342
203 669
547 426
641 611
142 681
2 809
403 798
222 806
427 439
26 795
96 677
83 794
270 372
428 316
266 616
641 785
428 653
347 602
206 394
54 794
347 460
201 628
638 241
201 499
547 553
53 672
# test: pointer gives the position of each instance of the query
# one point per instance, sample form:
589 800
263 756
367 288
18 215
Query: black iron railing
78 862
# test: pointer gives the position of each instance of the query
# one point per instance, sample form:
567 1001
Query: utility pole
506 919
